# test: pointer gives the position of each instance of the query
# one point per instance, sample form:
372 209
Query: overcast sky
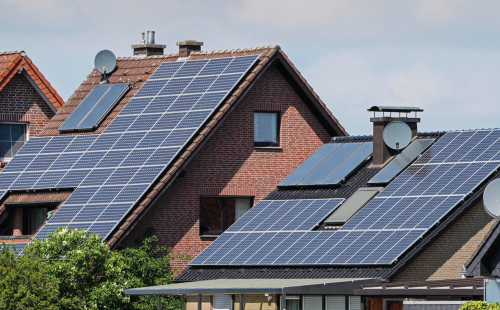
441 55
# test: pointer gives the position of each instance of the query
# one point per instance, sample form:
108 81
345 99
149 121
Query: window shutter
222 302
313 302
354 302
335 302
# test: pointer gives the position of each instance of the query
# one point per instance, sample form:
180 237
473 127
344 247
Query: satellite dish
397 135
105 61
491 198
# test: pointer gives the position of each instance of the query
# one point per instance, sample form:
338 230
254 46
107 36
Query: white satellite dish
397 135
105 61
491 198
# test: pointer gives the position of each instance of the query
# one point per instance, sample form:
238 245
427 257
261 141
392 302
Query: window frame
26 127
224 213
27 215
278 130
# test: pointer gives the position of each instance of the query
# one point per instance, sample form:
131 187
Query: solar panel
92 110
359 156
401 161
113 170
309 164
286 215
421 196
330 164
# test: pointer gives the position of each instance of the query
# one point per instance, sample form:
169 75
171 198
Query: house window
218 213
24 219
266 128
12 137
33 219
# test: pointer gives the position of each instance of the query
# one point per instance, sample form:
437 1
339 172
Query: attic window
12 137
218 213
266 129
92 110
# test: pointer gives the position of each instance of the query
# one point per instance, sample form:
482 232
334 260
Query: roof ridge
11 53
238 50
148 57
176 55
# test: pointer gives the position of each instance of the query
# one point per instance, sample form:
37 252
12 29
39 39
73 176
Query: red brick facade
21 102
228 164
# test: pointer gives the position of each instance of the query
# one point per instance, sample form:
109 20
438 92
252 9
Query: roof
357 180
12 62
137 70
252 286
268 55
487 251
453 287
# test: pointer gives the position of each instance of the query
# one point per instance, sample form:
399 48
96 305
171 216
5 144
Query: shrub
480 305
76 270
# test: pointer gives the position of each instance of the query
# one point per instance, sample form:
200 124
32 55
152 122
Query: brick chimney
188 46
381 152
148 46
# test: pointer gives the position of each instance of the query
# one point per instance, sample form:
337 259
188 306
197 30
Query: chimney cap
144 45
379 108
190 42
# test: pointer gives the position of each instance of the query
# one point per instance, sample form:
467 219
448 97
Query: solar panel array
388 225
266 231
111 171
330 164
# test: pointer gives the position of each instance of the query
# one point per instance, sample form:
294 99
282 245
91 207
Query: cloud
351 81
440 55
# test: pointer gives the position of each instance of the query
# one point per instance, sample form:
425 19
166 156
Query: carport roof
256 286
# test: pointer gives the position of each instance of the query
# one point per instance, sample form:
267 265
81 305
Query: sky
442 56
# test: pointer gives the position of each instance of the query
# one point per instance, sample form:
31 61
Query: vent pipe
151 37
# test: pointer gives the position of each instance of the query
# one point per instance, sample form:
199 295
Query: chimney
381 152
148 46
188 46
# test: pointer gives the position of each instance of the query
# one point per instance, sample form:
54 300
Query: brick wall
20 102
250 302
228 164
449 253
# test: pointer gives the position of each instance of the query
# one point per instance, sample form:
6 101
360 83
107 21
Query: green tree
25 283
83 273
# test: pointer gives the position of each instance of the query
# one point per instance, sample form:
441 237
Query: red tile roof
12 62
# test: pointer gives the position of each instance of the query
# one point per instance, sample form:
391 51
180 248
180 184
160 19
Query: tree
25 283
86 274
